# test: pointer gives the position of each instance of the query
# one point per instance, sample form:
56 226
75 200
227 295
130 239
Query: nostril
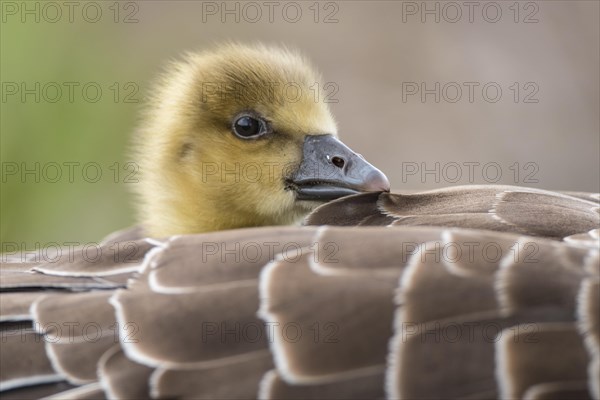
338 162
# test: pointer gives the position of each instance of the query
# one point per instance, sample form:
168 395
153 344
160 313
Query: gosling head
240 137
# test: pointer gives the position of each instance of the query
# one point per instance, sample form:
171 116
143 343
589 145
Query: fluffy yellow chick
236 137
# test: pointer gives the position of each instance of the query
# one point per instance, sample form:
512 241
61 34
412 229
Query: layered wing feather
527 211
321 312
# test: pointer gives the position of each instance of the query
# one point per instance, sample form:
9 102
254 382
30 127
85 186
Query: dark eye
248 127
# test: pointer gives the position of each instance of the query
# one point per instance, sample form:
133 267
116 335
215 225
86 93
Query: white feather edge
453 266
269 378
265 385
321 269
159 372
505 264
68 339
583 326
52 356
506 387
392 388
29 381
72 274
102 379
115 271
275 344
538 391
158 287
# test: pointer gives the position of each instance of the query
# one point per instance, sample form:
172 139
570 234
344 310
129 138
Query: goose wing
310 312
527 211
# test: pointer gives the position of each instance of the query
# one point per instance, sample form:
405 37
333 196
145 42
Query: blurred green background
368 48
35 209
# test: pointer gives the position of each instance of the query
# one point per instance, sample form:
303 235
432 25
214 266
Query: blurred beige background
543 131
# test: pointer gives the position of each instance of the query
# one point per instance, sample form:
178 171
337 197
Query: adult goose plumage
473 292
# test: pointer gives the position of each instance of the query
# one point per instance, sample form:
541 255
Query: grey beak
330 170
